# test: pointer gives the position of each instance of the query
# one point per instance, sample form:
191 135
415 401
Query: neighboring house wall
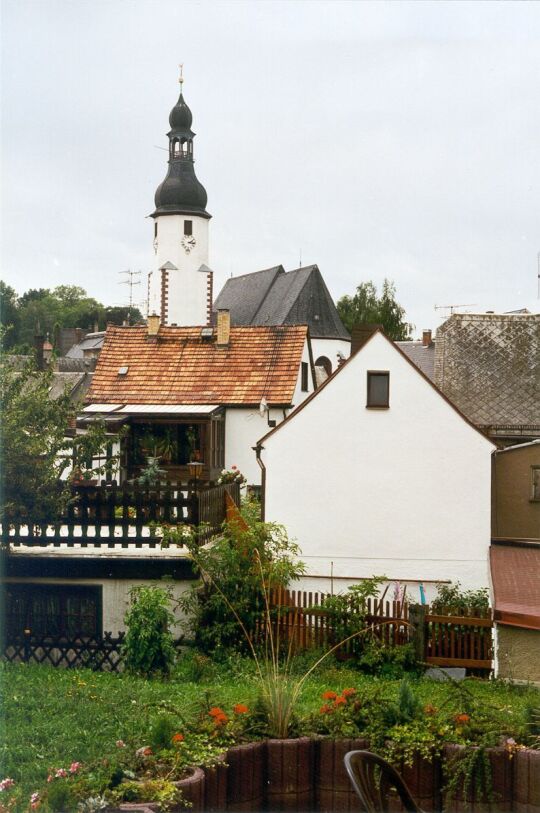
516 492
403 491
330 348
518 653
244 427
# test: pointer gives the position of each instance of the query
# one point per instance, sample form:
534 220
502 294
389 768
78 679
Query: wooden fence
111 515
302 620
103 654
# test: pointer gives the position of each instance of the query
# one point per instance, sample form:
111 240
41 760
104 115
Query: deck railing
122 515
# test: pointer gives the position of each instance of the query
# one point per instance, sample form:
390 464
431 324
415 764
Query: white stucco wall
187 299
330 348
244 427
403 492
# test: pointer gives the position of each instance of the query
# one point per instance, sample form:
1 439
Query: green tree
149 644
35 448
366 306
118 314
9 315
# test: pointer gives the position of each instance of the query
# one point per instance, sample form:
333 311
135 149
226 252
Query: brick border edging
264 775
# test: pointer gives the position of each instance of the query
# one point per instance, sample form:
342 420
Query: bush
451 598
387 661
149 645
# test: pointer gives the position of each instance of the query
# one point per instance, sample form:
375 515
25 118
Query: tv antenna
131 282
452 308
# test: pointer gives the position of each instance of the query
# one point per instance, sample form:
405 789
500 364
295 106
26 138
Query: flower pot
526 771
215 786
290 774
192 788
333 789
246 776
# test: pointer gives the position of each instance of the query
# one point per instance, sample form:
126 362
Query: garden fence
302 620
102 654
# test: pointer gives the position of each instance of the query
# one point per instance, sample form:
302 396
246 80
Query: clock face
188 243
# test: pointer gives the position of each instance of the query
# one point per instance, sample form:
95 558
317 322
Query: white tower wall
180 295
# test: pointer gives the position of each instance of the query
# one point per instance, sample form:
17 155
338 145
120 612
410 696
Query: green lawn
53 717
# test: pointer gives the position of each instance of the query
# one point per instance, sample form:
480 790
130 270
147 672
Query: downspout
258 449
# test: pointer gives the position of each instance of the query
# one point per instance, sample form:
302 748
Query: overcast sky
377 140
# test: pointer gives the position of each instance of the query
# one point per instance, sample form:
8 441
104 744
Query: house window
378 390
53 610
305 372
535 483
188 227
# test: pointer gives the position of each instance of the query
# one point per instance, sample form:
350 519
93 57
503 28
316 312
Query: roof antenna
181 77
300 258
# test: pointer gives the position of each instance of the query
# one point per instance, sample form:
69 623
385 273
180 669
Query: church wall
330 348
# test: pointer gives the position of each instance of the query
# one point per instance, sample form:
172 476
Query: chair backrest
373 779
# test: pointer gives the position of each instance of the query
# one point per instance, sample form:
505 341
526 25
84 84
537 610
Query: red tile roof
515 574
179 367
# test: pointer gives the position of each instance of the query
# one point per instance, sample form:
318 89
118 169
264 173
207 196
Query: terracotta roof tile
179 367
515 574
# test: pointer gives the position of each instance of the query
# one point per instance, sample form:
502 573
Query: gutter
258 449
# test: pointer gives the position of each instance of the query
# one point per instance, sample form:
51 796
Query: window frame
534 497
304 376
370 374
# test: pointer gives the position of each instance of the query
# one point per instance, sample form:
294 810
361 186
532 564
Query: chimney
38 349
426 338
153 324
223 327
78 335
360 334
47 350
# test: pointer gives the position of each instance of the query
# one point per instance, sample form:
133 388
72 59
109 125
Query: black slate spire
181 192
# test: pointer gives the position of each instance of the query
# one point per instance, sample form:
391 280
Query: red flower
462 719
340 701
325 709
329 695
348 692
215 711
177 737
240 709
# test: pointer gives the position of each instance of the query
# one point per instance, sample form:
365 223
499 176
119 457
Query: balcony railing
109 515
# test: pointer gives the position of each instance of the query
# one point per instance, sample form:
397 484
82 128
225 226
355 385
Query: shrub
387 661
451 598
234 570
149 644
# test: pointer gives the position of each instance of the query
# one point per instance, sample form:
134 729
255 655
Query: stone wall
518 653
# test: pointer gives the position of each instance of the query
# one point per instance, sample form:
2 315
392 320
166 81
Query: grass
53 717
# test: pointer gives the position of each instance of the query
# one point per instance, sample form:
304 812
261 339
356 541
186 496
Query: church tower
180 286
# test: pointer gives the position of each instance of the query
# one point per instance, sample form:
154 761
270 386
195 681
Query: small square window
305 373
188 228
378 390
535 483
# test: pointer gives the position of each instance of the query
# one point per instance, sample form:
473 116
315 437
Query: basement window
305 380
535 483
69 612
378 390
188 227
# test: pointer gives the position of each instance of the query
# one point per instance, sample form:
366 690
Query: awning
169 409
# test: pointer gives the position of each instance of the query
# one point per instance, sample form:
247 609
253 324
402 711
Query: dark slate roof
243 296
489 366
274 297
421 355
92 341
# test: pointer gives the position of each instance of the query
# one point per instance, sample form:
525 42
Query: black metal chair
373 779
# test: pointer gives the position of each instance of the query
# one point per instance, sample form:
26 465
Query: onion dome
181 192
180 117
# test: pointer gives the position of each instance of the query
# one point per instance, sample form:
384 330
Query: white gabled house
379 473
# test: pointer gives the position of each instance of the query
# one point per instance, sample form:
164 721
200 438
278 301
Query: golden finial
181 78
